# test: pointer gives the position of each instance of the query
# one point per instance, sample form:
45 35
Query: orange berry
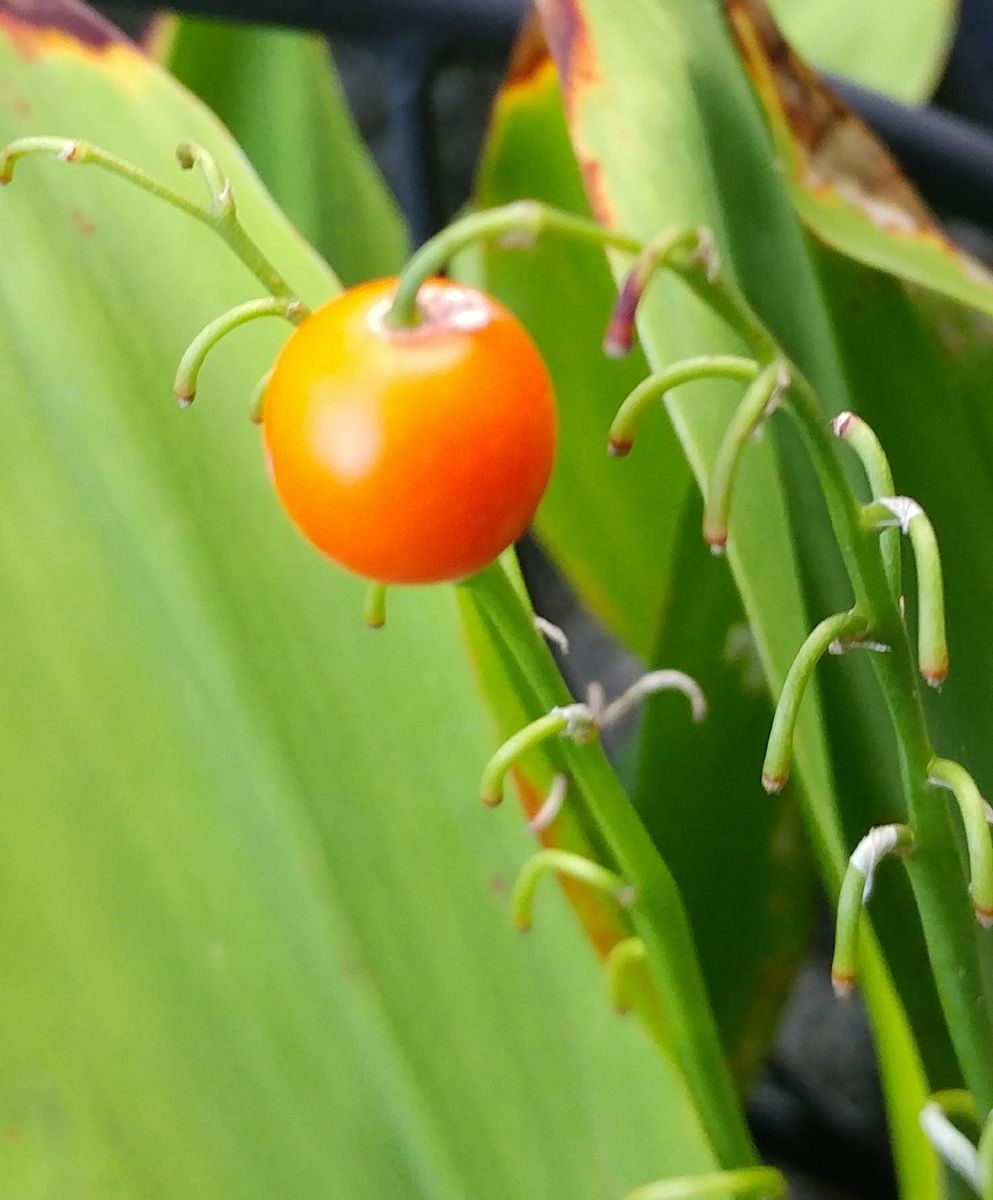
414 455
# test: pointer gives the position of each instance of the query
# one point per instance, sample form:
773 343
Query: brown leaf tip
619 449
69 17
530 55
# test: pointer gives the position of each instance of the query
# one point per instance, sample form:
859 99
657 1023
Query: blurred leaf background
255 928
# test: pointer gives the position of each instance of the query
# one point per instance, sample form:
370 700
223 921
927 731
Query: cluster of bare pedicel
653 969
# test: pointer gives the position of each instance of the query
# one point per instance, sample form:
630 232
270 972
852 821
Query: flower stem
858 434
658 916
221 216
188 374
962 964
574 720
761 398
574 866
655 387
856 888
779 753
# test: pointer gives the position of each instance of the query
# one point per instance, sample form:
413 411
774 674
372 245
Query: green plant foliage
251 941
277 91
666 78
619 532
740 859
897 51
610 526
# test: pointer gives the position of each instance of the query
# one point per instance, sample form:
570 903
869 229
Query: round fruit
413 455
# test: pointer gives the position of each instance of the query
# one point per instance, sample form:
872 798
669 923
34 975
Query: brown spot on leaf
826 147
81 223
569 41
24 20
568 38
596 191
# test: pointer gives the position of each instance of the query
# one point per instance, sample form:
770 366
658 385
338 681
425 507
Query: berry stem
523 221
624 427
188 373
221 216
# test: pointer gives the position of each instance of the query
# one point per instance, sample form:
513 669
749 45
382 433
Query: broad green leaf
277 91
665 133
251 941
619 531
844 184
898 51
613 541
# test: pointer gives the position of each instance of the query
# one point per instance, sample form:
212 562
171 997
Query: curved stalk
962 965
715 366
220 216
563 720
188 374
951 1144
779 753
858 434
753 1183
856 888
760 401
522 222
574 866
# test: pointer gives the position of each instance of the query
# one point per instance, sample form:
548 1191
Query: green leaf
278 93
614 542
620 532
666 134
900 53
251 941
740 861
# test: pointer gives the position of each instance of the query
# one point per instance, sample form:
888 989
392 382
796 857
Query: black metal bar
483 26
949 158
